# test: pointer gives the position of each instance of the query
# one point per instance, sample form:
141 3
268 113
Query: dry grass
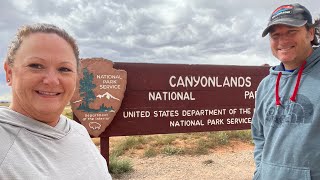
169 144
67 111
176 144
4 104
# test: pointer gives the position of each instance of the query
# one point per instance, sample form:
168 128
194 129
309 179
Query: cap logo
286 9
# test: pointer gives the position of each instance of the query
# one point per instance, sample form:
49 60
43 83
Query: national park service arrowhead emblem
98 95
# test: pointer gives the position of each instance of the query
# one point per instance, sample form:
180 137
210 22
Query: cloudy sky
153 31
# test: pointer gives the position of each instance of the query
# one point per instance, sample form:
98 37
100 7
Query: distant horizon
2 102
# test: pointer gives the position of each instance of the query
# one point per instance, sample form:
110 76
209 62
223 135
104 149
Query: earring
8 80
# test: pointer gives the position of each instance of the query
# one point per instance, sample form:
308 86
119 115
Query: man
286 122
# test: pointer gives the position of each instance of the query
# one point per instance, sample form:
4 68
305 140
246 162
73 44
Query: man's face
291 45
43 77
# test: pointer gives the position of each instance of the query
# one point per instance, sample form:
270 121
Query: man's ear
8 70
311 33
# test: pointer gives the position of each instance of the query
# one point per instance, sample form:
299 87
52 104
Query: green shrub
202 147
171 150
119 166
223 138
131 142
164 139
215 139
243 135
150 152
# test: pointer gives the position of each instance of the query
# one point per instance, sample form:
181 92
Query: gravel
230 165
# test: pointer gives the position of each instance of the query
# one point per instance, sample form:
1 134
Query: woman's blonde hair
26 30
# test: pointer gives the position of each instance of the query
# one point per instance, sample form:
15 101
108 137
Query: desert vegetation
149 146
193 144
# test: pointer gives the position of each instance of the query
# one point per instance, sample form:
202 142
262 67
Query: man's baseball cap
292 15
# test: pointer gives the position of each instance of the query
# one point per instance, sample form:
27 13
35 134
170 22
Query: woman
37 142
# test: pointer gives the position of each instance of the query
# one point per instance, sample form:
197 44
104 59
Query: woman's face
43 77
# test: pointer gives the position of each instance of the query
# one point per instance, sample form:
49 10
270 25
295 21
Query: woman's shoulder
8 126
8 135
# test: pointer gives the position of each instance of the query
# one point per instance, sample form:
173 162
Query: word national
170 96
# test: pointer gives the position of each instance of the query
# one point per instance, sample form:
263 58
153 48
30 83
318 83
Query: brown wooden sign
172 98
179 98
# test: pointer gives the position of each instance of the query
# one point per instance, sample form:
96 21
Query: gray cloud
155 31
